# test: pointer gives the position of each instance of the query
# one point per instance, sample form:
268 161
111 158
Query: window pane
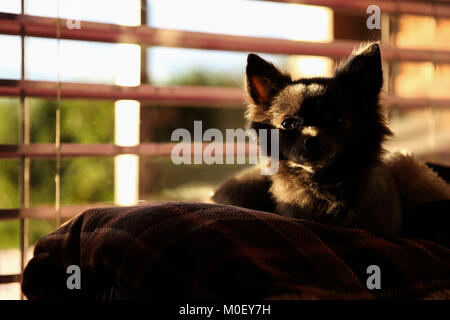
82 121
178 66
9 238
168 66
10 6
10 57
83 180
10 291
245 18
87 180
9 120
42 120
423 32
79 61
158 123
87 121
39 228
9 183
9 263
106 11
42 182
425 132
161 179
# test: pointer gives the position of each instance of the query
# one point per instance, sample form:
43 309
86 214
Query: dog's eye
290 123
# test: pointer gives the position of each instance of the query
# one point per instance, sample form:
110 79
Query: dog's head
321 120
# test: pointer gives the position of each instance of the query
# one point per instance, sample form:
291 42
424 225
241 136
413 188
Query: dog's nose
312 145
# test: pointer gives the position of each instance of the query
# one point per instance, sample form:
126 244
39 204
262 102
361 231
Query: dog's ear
263 80
363 71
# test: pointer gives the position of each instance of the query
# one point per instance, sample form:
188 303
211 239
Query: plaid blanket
177 250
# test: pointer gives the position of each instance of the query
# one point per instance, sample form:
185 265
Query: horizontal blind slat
146 35
172 95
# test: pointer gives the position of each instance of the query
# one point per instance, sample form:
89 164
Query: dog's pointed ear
363 70
263 80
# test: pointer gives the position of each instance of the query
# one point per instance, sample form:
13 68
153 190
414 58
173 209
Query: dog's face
320 120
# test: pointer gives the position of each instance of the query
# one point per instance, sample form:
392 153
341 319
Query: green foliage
199 77
43 121
87 121
83 180
9 121
39 228
82 121
9 234
87 180
9 183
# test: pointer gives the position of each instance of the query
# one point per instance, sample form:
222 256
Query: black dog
332 167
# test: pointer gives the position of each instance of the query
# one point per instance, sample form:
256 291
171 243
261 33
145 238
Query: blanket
180 250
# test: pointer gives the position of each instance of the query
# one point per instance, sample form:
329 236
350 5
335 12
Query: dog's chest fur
369 200
300 194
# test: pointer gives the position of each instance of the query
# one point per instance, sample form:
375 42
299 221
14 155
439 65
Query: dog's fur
332 166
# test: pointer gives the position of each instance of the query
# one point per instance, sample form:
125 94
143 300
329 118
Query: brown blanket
204 251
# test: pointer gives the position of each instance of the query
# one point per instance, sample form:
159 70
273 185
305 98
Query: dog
332 165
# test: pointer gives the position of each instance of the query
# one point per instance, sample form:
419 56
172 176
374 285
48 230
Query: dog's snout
312 144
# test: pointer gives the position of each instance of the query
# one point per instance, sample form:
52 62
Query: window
87 110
